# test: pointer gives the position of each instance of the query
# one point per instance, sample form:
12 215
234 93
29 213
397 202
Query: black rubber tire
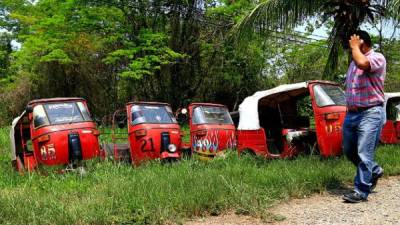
187 153
247 152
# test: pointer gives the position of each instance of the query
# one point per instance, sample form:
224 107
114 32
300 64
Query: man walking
365 114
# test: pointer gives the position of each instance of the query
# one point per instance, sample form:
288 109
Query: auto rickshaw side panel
212 138
51 143
252 140
397 124
390 132
145 140
329 125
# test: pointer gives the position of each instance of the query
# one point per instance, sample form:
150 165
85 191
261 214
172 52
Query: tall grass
155 194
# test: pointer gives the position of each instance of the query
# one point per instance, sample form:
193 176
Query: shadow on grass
339 190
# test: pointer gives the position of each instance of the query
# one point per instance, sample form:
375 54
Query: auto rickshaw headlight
140 133
172 148
201 133
96 133
332 116
44 138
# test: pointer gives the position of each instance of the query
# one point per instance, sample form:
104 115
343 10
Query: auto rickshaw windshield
211 115
329 95
60 113
152 114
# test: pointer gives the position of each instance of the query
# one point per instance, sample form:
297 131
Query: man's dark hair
364 36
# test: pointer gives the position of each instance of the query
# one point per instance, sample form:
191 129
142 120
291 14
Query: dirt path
383 207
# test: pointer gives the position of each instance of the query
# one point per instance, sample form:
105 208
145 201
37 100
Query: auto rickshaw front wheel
187 153
169 161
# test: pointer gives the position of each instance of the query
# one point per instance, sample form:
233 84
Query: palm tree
347 16
396 3
395 8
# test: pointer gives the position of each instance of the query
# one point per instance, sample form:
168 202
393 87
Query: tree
347 16
5 54
114 51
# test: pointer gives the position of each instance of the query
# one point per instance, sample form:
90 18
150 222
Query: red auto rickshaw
289 119
56 131
211 129
391 130
153 133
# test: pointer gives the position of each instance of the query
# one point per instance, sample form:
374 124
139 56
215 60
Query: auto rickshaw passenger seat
295 121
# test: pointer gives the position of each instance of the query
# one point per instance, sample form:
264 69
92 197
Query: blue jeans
361 133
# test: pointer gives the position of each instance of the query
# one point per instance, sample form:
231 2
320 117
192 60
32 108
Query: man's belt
361 109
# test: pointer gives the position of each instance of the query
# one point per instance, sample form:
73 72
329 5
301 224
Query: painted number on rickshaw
144 143
48 152
333 128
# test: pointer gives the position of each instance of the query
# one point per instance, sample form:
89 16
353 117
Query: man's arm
359 58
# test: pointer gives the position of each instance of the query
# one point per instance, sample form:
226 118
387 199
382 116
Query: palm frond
274 14
393 9
347 15
335 43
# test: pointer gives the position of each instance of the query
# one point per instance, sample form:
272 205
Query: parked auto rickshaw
153 133
56 131
211 129
391 130
289 119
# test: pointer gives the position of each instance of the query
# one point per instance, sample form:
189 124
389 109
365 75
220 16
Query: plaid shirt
365 88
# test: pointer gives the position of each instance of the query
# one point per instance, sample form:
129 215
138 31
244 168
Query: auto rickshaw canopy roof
389 95
207 104
248 109
147 103
47 100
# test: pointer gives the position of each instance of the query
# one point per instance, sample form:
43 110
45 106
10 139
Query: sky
322 32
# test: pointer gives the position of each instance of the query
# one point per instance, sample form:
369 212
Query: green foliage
146 57
56 55
308 62
5 55
393 61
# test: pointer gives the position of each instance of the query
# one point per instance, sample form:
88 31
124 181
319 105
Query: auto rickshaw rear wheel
247 153
18 165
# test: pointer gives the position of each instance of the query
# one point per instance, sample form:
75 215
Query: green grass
186 133
157 194
106 135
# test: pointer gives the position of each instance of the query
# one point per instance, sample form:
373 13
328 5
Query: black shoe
375 178
354 197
